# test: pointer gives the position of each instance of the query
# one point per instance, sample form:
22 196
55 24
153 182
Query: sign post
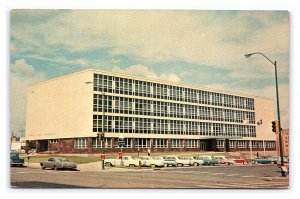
121 143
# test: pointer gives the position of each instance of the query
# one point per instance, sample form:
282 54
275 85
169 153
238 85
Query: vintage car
58 163
224 160
15 159
126 161
265 160
240 160
149 161
208 160
175 161
193 161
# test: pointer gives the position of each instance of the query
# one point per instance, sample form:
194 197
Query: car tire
108 164
43 167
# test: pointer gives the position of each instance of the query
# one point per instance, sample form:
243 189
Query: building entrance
203 146
43 145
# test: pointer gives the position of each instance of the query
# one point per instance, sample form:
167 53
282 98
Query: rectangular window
191 143
98 144
160 143
220 144
80 143
142 143
176 143
232 144
241 144
54 141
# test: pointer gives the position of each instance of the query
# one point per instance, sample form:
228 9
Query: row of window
126 86
118 124
124 105
81 143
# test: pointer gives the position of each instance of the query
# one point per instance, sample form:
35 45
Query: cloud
200 37
22 74
144 71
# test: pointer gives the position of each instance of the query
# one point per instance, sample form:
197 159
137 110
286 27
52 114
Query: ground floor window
270 145
232 144
242 144
220 144
98 144
128 143
142 143
176 143
53 141
191 143
80 143
161 143
260 144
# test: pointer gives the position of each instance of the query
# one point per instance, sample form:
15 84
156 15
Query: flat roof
152 80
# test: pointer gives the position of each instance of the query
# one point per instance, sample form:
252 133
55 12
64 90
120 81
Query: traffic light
102 136
275 126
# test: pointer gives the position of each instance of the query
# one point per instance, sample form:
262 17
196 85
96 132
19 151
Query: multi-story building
66 113
285 142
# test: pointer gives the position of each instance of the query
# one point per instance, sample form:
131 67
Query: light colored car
193 161
178 161
127 161
224 160
58 163
149 161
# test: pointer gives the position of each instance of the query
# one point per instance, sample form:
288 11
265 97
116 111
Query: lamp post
103 128
277 100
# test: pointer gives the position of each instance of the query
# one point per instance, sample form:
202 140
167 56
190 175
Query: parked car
240 160
149 161
208 160
32 151
224 160
58 163
193 161
127 161
15 159
169 161
265 160
176 161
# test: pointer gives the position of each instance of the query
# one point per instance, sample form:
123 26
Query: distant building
18 144
285 142
66 113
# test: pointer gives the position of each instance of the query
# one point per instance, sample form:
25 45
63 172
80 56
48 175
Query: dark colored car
265 160
58 163
15 159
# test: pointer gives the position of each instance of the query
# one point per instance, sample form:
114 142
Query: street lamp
277 100
103 128
103 125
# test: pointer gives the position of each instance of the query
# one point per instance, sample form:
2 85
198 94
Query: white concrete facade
63 108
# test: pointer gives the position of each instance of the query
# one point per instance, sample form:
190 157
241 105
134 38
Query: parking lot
238 176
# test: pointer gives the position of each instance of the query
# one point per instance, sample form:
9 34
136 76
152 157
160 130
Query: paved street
246 177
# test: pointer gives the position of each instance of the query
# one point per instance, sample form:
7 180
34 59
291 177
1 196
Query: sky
204 48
